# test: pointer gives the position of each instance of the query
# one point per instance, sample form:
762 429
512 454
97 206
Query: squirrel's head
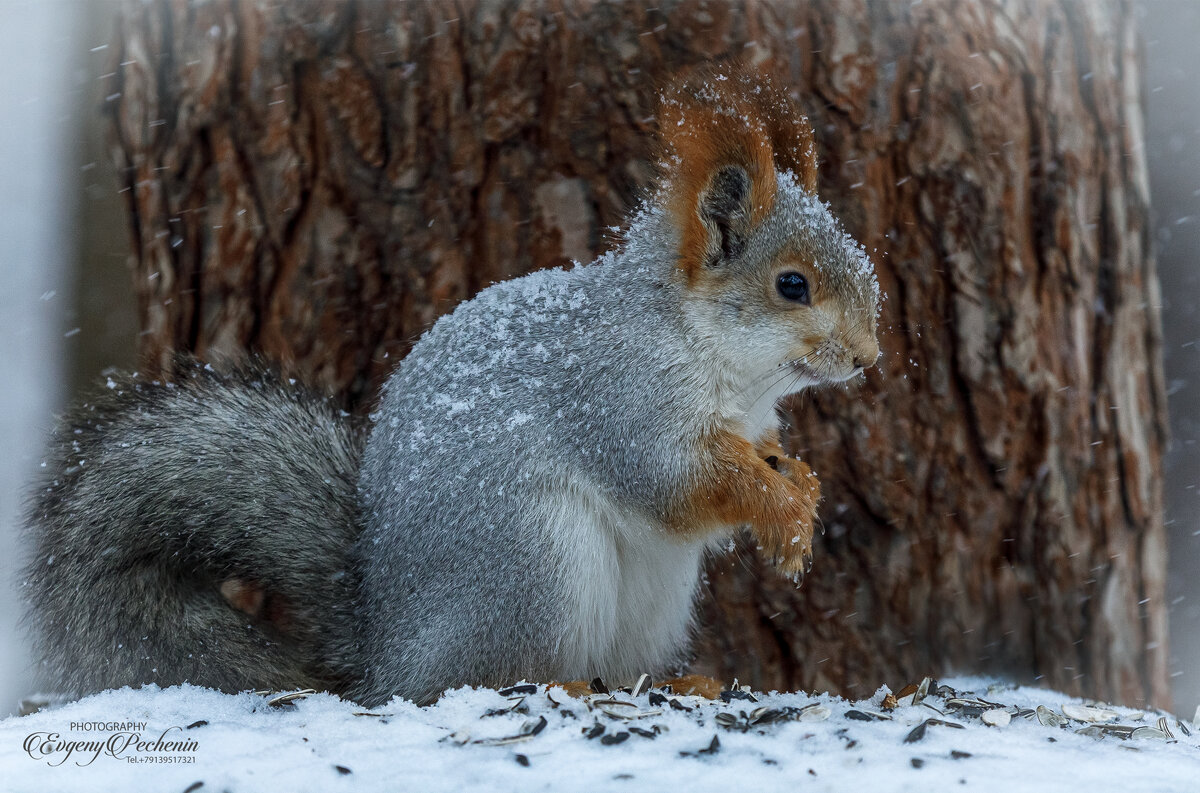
771 278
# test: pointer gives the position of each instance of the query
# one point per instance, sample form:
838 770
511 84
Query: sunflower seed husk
1092 731
1048 718
996 717
283 699
628 713
814 712
505 741
1122 731
917 733
725 719
922 691
1087 713
1152 733
1162 725
513 704
766 715
642 684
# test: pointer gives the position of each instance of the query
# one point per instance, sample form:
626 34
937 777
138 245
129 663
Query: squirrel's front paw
798 473
787 538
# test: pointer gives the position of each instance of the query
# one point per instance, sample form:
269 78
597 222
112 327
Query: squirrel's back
164 504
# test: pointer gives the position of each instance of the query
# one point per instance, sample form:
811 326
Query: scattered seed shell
614 710
1151 733
1087 713
996 717
814 712
1048 718
922 691
283 699
505 741
1122 731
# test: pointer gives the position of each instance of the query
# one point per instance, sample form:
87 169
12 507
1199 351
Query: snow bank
528 742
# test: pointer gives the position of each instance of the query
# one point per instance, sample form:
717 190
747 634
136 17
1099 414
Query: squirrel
535 492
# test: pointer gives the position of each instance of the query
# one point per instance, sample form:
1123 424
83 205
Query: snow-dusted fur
154 495
526 449
544 473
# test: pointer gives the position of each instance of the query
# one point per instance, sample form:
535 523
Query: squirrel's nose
864 359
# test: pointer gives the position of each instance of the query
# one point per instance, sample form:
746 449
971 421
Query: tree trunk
317 182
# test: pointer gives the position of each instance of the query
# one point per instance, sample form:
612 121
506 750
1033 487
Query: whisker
786 365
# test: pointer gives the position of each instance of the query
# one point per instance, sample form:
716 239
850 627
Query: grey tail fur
196 531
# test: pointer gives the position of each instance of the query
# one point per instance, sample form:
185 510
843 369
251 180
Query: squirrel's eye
793 286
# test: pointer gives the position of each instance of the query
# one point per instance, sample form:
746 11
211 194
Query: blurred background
68 310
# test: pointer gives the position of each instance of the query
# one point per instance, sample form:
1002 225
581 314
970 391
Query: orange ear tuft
722 126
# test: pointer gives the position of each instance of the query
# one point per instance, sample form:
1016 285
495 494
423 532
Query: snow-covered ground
543 740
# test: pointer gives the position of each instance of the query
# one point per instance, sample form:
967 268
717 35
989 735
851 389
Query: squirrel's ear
795 148
724 209
726 130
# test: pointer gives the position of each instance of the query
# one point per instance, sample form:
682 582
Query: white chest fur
629 588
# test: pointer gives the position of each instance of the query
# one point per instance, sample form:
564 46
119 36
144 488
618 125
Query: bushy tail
197 531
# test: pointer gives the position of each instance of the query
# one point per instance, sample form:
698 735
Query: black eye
793 286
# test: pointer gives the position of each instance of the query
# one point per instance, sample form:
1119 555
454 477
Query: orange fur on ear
727 115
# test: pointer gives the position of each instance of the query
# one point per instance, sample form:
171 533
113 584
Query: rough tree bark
317 182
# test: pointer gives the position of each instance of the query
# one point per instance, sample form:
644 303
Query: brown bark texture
318 181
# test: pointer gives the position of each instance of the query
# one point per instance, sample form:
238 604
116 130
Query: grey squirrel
539 483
